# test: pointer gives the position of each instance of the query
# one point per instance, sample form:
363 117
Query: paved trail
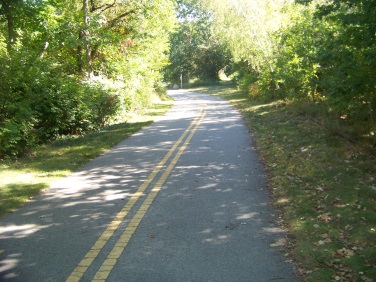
182 200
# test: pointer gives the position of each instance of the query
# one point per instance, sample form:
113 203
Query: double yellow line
108 264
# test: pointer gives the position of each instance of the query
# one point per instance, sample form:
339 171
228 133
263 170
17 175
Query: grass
22 179
323 186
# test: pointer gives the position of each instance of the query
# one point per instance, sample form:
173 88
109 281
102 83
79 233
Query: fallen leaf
325 217
345 252
366 279
325 235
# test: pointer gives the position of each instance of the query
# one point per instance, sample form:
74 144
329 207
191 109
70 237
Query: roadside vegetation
72 67
323 185
311 50
23 178
72 74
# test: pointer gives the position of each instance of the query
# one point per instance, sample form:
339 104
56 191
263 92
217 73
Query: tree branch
113 21
105 7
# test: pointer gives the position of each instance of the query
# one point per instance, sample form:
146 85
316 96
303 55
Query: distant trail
181 200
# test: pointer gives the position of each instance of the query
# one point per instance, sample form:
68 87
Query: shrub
37 104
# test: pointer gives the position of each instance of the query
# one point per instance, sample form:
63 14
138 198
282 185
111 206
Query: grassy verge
323 186
22 179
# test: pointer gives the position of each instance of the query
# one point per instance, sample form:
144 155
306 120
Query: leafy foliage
39 107
307 50
195 51
69 67
348 61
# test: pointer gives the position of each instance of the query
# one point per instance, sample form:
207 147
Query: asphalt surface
181 200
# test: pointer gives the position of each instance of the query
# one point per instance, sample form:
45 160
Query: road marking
88 259
106 268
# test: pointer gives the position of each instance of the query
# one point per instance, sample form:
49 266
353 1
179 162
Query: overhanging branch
115 20
104 7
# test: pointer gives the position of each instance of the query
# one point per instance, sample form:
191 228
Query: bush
37 104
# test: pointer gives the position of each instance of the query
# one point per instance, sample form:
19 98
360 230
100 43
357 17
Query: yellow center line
106 268
90 256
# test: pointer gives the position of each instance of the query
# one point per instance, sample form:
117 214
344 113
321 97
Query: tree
7 12
249 27
297 64
195 51
305 50
48 44
348 60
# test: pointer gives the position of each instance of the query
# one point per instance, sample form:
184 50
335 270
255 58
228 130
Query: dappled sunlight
24 177
266 107
8 264
283 200
71 185
20 231
110 195
219 239
247 215
205 186
276 230
90 197
94 216
206 231
208 186
208 194
225 190
12 175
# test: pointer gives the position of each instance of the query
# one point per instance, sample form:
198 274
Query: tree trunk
373 120
8 12
89 61
45 46
80 64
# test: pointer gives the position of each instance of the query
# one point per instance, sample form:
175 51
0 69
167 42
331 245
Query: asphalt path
184 199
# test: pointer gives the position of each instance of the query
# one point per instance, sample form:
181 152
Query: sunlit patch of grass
323 185
22 179
14 194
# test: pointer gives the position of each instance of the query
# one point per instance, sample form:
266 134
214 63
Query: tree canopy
316 50
196 52
72 66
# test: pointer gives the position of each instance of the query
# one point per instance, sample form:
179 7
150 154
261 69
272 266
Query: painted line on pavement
107 266
91 255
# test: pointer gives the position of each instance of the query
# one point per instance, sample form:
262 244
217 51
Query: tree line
68 67
302 50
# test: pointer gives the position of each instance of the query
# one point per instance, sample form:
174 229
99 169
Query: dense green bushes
328 54
68 67
305 51
38 106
